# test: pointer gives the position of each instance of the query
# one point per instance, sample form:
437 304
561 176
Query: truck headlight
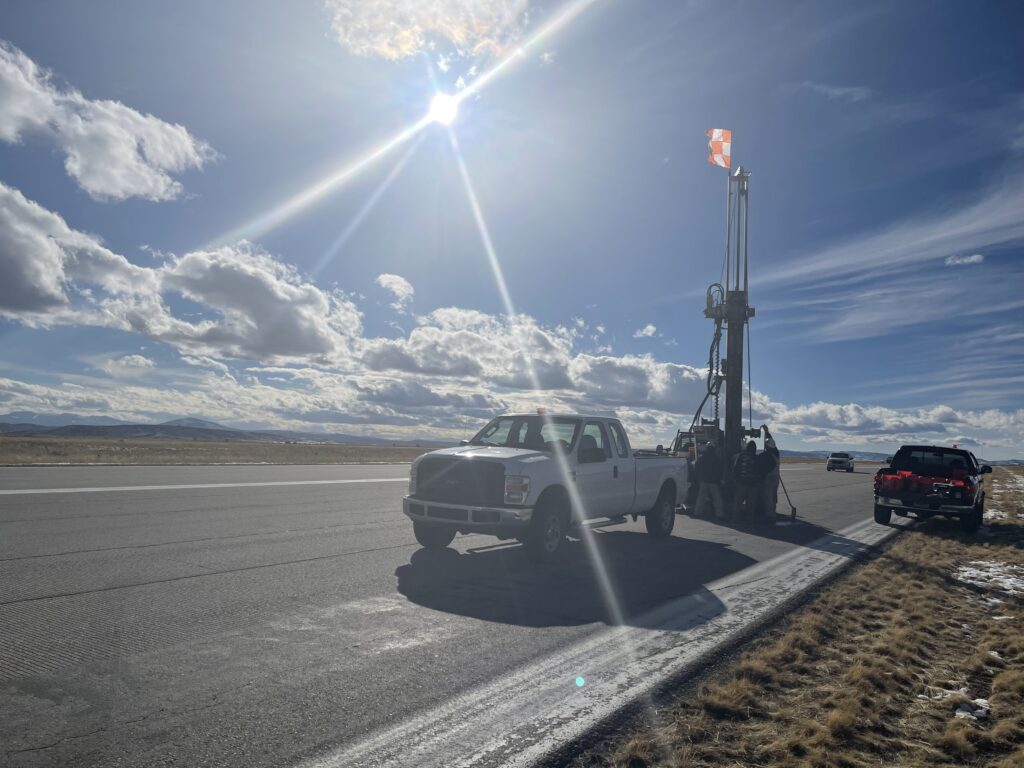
517 488
412 480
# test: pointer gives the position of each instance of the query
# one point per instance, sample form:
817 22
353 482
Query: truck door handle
615 471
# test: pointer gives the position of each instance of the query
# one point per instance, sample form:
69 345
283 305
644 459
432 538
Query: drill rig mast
728 306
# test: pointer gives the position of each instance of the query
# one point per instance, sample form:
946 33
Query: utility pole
735 311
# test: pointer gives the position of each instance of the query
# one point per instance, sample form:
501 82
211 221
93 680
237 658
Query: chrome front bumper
467 518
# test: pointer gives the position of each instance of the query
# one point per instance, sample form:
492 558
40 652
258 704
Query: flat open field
71 450
15 451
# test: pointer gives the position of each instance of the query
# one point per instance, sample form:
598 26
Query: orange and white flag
720 147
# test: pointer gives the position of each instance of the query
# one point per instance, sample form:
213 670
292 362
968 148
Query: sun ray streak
569 12
608 591
271 219
333 250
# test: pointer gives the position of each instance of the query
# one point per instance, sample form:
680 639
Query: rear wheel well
669 486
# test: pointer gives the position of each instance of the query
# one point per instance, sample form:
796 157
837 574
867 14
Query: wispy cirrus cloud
111 150
851 93
959 261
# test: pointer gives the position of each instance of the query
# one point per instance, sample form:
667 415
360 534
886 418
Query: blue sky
142 144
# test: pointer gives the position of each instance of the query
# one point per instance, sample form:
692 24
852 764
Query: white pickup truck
534 477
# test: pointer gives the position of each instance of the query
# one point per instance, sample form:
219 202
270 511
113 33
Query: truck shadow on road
800 532
502 584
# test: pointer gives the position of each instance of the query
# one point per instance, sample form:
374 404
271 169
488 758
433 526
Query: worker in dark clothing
771 482
707 471
746 484
766 467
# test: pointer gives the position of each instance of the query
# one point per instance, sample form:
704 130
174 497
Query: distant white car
837 461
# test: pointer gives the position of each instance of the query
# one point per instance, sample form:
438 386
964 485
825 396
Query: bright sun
444 108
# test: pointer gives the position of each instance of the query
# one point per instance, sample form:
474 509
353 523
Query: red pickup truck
929 480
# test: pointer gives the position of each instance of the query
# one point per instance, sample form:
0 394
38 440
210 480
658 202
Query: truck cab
536 477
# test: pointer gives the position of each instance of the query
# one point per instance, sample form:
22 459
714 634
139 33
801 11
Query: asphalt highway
244 616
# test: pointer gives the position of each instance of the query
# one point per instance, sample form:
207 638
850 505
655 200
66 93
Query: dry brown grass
52 450
868 672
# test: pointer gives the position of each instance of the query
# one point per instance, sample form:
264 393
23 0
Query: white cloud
400 288
266 309
397 29
111 150
128 366
851 93
455 368
955 261
992 220
548 58
43 260
254 306
647 332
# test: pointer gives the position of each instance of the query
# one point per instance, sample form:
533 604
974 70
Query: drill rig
728 306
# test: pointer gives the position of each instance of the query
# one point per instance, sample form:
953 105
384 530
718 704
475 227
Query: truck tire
970 523
882 514
662 517
850 469
546 536
432 536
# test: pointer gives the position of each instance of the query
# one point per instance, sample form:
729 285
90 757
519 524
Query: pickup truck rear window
934 462
839 456
535 433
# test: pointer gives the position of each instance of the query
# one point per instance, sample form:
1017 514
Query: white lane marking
17 492
519 718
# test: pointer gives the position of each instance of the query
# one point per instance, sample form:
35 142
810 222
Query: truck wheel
850 469
972 522
432 536
882 514
546 536
662 516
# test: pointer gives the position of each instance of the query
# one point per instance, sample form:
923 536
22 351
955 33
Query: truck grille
460 481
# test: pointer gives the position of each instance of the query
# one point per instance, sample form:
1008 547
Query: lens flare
444 108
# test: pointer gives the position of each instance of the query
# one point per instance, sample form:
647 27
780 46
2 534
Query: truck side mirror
986 469
463 442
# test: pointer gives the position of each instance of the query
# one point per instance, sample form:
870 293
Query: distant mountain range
29 424
861 455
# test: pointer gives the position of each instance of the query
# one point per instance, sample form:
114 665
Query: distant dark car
927 480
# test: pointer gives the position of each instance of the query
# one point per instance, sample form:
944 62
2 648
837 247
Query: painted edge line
115 488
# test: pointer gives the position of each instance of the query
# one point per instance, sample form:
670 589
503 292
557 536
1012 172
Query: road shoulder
915 658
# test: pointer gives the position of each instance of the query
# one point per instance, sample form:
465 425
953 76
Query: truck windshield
535 433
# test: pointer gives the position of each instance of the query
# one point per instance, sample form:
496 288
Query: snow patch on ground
977 709
941 694
995 514
993 575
